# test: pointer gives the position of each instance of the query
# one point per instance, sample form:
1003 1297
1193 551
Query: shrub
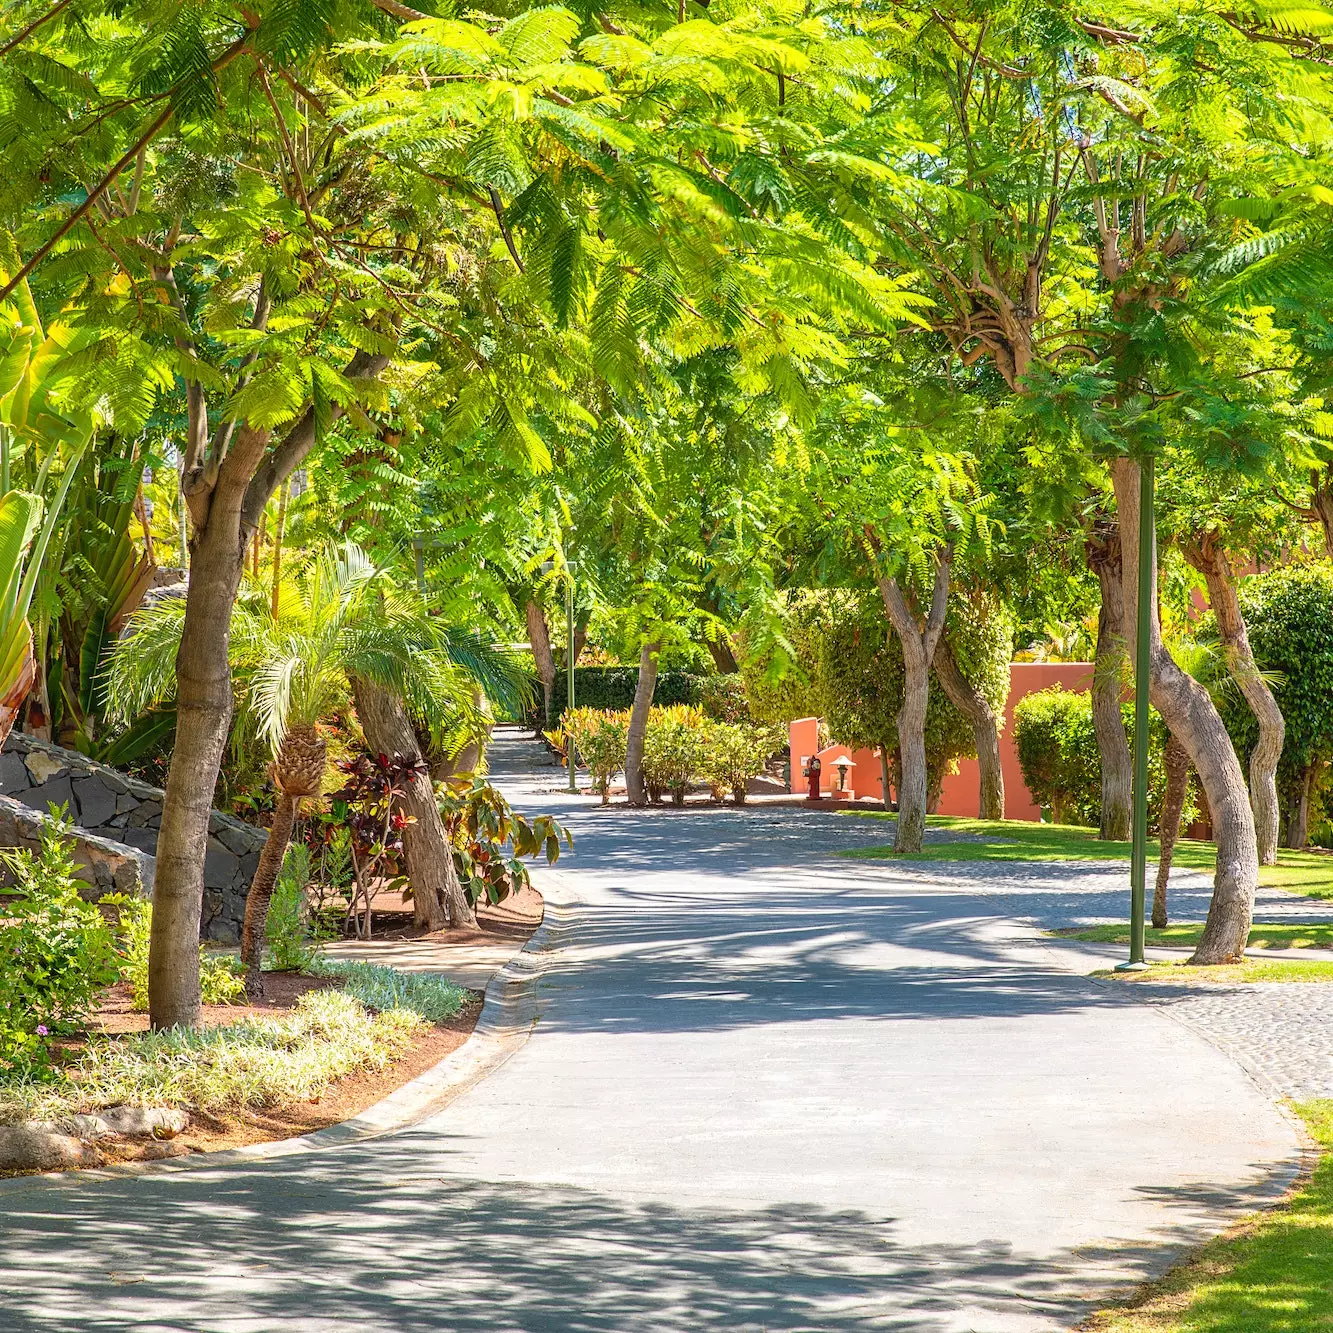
673 750
735 753
1062 767
490 839
287 931
723 698
221 976
57 949
1289 617
601 737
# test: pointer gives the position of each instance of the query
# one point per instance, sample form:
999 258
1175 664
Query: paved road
769 1090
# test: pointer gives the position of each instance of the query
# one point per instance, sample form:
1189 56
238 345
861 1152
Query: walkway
769 1090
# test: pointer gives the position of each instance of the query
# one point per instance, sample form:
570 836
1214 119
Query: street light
569 663
1138 856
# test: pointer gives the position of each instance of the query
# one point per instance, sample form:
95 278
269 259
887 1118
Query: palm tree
341 618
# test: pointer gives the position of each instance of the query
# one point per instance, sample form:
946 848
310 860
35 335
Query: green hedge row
612 687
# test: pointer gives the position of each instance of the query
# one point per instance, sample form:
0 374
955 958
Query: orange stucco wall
961 792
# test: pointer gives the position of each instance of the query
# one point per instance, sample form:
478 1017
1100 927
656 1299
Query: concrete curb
512 1006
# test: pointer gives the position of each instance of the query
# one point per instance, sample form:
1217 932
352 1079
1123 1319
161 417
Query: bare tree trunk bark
985 732
437 895
919 640
261 893
539 637
635 790
203 710
1104 559
1298 828
1208 557
1189 713
724 660
1177 783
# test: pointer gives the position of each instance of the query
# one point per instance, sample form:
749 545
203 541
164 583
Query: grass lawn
1268 1275
1187 936
1308 873
1252 969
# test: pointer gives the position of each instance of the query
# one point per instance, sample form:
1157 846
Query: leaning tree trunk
985 732
724 659
638 723
437 895
1190 714
539 638
1177 783
1208 557
261 893
1108 674
919 640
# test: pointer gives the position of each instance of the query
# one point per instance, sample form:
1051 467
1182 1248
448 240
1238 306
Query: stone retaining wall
116 821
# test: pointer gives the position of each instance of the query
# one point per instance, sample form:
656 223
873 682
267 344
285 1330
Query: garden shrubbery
56 950
682 745
1057 749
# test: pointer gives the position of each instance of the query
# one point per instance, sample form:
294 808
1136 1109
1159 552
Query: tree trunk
539 637
261 893
985 732
1298 827
638 723
724 660
1208 557
1177 783
1108 675
203 710
437 896
1189 713
919 640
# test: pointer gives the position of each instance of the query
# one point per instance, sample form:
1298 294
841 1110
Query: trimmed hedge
611 688
1062 766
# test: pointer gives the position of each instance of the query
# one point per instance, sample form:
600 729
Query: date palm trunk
985 732
1209 558
1190 714
1177 762
437 895
919 638
1108 675
261 893
635 789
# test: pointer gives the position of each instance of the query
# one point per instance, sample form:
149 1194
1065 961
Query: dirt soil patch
516 918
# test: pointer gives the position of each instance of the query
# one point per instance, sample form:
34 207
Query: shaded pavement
768 1089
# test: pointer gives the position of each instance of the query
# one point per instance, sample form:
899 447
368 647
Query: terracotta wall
960 794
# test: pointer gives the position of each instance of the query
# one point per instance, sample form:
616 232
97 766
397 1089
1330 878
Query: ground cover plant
255 1064
1268 1275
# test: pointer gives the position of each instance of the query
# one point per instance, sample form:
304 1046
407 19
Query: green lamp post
1138 863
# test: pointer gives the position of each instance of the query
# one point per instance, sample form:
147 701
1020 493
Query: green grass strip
1307 873
1186 936
1251 969
1268 1275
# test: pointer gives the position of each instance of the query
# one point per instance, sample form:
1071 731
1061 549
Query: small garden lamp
842 764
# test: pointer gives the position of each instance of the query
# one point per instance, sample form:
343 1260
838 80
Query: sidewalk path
768 1089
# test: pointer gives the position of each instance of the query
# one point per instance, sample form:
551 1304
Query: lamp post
569 663
1138 863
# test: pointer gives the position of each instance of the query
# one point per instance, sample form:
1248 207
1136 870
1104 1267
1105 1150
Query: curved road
769 1089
